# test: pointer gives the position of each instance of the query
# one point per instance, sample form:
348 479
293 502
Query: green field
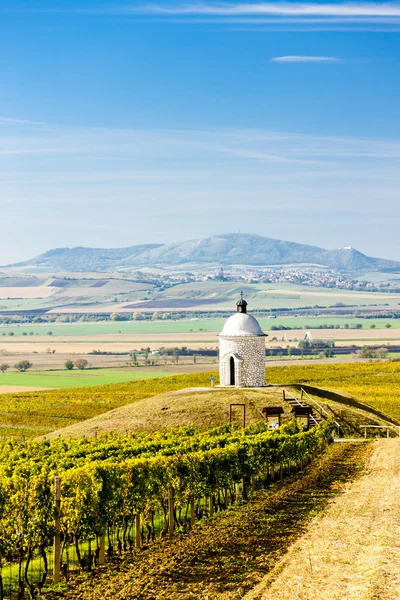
182 326
72 379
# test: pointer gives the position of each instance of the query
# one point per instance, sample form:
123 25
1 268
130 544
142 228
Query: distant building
242 350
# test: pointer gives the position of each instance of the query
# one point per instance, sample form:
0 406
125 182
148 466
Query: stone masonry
248 353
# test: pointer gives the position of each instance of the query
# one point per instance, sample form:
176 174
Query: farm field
69 339
100 328
110 294
75 378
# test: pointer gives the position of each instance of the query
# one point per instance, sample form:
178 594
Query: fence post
211 505
237 492
171 516
57 537
226 498
102 551
138 531
192 513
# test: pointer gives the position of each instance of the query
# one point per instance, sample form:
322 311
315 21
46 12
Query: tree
81 364
372 325
137 316
49 333
23 365
366 352
388 325
382 353
115 317
69 365
4 367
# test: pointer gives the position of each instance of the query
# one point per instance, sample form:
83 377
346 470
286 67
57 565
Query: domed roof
242 324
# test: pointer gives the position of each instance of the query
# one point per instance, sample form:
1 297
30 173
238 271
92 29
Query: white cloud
304 59
12 121
345 9
117 176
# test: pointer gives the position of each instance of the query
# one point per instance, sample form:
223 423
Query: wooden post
365 432
211 505
102 552
138 531
226 498
192 513
283 393
171 517
57 539
387 431
237 492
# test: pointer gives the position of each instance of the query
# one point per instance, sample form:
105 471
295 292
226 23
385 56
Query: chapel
242 350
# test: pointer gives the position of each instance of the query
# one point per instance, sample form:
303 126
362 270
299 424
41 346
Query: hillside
31 414
227 249
206 408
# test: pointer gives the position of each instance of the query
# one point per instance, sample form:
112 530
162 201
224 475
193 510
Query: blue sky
135 122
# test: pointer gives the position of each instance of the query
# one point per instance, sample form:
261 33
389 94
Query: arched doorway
231 371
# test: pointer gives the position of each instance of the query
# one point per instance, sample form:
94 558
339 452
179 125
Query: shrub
81 364
23 365
69 365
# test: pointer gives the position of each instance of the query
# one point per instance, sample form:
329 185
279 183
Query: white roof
241 324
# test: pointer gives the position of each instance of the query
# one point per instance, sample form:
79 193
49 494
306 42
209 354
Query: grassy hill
38 413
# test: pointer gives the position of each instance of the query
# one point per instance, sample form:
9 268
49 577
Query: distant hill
227 249
85 259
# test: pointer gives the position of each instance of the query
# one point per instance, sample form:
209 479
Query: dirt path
8 389
352 551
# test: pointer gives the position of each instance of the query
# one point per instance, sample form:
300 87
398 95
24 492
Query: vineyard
117 492
31 414
375 383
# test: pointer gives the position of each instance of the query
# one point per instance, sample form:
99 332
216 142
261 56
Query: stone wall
249 356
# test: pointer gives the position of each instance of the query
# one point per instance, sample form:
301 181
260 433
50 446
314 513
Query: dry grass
353 550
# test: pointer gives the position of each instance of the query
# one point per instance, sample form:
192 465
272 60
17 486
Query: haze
134 124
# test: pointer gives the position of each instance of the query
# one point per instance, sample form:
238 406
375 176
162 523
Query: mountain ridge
225 249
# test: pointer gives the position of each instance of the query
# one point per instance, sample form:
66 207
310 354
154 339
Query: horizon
186 240
124 124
